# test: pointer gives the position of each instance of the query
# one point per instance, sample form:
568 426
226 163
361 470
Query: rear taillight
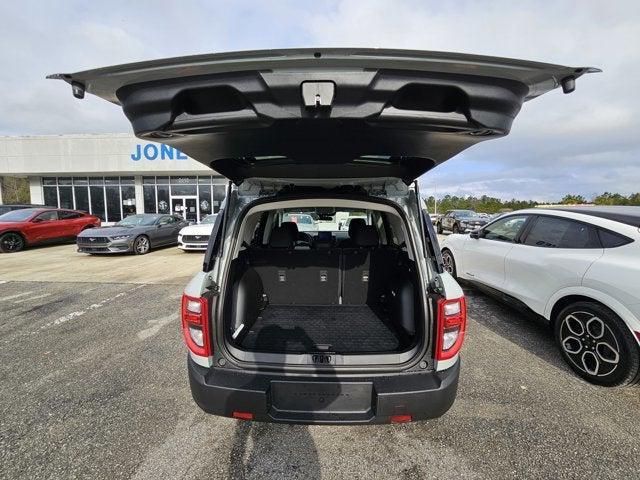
400 418
452 323
242 415
195 325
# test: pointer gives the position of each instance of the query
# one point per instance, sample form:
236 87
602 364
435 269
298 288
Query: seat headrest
366 236
282 237
355 224
291 225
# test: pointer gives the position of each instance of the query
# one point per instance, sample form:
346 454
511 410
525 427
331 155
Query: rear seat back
351 276
298 277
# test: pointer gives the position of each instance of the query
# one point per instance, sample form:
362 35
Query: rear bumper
308 400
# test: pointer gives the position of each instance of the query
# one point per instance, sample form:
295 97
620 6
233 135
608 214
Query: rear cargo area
305 328
351 300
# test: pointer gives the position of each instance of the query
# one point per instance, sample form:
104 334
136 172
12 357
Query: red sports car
31 226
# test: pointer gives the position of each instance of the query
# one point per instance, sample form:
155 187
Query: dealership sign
152 151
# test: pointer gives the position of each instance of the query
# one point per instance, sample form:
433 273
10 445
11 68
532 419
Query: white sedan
579 268
196 237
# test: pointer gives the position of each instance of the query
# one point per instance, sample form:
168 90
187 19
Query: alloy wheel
448 264
589 343
141 246
11 242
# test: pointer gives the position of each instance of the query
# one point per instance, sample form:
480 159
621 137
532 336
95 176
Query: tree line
488 204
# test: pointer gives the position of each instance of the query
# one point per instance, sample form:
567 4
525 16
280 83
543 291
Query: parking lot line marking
93 306
156 325
17 295
44 295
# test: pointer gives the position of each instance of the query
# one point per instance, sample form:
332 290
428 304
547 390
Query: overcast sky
586 142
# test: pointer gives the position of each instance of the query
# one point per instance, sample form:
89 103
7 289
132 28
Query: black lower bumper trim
340 400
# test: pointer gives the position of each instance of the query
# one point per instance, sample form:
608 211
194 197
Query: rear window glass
331 220
66 215
553 232
611 239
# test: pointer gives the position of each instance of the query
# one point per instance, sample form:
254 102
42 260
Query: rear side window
554 232
67 215
611 239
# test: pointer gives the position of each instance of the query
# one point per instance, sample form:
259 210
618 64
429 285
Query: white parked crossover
196 237
577 267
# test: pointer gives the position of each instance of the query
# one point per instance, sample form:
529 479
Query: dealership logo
151 151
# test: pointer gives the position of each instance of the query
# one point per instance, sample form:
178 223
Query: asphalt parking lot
94 385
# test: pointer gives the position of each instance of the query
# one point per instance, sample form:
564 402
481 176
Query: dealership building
111 175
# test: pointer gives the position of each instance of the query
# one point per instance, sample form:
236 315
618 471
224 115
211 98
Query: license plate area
295 398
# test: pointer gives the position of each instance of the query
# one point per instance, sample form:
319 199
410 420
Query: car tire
440 230
449 263
597 345
141 245
11 242
455 229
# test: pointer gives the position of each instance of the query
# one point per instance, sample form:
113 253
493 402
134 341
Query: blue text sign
151 151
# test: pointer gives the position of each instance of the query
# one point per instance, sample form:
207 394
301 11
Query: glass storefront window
182 190
128 200
149 192
218 196
182 180
111 198
204 199
82 197
113 203
97 202
50 196
163 199
66 197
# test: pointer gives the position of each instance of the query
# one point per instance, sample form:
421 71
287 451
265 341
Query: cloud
586 142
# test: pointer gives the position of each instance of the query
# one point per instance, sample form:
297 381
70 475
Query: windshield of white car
138 220
18 215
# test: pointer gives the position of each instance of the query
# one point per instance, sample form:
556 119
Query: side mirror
475 234
36 220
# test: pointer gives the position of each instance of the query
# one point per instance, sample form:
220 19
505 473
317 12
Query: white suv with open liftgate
323 326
